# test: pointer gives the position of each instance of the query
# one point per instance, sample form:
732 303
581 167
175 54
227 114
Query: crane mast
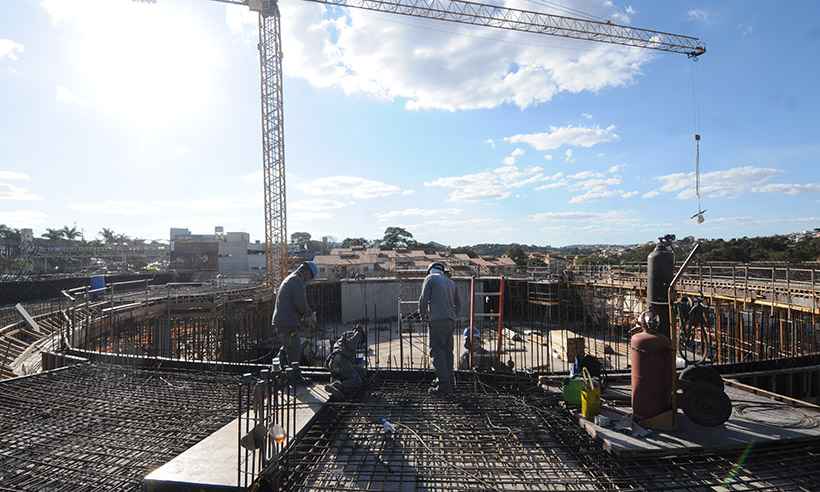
273 143
458 11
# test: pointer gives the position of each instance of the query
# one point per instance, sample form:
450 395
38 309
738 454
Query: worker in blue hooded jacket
439 303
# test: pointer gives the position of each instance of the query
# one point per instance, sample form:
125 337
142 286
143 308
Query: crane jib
488 15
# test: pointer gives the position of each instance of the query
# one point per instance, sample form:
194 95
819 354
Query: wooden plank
768 422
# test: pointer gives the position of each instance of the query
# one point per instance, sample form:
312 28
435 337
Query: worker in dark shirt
439 303
348 375
483 360
292 316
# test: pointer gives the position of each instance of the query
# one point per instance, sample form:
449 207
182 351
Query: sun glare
152 64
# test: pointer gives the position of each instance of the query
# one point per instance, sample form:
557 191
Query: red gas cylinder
651 357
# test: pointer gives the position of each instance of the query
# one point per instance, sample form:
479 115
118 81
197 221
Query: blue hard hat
313 267
466 334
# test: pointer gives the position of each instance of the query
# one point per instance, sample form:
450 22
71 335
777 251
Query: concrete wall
381 297
233 253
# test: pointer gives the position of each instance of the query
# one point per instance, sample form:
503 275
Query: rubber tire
706 405
702 374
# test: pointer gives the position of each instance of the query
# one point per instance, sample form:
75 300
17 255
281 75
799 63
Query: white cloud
728 183
22 218
576 136
586 175
67 96
788 188
698 15
597 188
574 216
586 115
548 157
568 156
12 192
14 176
441 66
118 207
309 216
470 224
181 151
490 142
159 207
241 20
616 168
316 205
408 192
511 159
419 212
651 194
745 30
10 49
349 186
589 185
495 183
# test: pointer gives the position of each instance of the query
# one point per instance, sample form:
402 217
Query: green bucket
571 389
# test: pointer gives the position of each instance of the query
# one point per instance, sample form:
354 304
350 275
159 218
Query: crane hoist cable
699 215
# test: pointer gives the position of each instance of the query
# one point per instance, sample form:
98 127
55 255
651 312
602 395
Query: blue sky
140 117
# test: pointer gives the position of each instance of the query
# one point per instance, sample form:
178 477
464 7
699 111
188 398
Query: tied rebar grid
484 437
100 427
509 436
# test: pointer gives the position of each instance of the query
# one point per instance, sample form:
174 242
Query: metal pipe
673 328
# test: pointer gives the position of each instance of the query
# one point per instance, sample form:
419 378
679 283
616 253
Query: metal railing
792 287
267 425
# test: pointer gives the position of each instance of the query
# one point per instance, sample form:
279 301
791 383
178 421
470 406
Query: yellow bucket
590 396
590 403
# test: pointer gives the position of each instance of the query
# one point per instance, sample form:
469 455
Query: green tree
518 255
397 238
300 239
71 233
8 233
354 241
53 234
465 250
108 235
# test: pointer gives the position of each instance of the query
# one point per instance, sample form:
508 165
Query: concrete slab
756 419
211 464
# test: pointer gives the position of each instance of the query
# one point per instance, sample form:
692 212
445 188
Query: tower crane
458 11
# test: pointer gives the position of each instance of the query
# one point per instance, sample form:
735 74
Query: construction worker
292 317
477 350
697 318
439 303
348 375
483 359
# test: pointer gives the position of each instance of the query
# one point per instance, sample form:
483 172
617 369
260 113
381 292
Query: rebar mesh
507 436
101 427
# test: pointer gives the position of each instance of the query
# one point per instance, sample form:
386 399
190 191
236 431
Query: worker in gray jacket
439 303
292 316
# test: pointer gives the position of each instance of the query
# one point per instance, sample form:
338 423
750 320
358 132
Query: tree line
106 236
778 248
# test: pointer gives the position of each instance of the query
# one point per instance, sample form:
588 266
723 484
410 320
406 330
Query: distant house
350 264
